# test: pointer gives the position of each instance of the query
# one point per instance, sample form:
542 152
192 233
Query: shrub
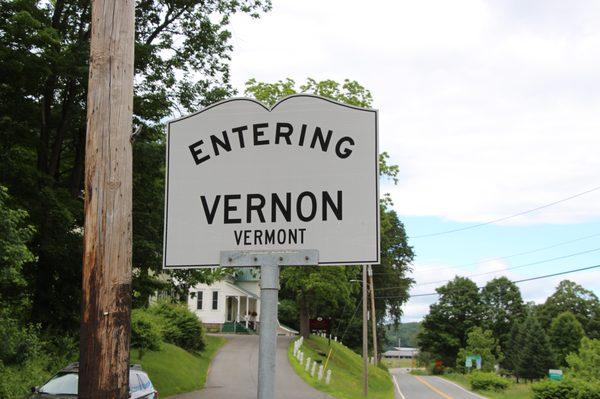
18 343
566 389
584 364
145 331
180 326
488 382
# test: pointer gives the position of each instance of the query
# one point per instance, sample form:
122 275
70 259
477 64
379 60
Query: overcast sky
489 108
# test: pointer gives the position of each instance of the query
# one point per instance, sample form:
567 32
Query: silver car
64 384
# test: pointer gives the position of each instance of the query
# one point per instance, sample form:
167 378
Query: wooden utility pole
106 287
365 334
373 318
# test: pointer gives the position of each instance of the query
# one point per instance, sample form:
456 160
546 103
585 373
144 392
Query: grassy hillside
347 368
174 370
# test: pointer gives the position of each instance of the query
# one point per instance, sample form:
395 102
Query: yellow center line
434 389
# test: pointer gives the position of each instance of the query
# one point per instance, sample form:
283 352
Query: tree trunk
106 288
304 318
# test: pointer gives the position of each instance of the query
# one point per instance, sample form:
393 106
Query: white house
235 299
226 305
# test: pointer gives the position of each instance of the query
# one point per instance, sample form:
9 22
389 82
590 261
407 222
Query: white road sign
302 175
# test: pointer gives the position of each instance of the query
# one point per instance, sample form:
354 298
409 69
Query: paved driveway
428 387
233 373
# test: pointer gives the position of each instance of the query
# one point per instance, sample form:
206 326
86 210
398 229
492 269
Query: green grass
515 391
173 370
347 369
399 363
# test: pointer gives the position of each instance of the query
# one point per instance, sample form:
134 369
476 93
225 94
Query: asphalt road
428 387
233 373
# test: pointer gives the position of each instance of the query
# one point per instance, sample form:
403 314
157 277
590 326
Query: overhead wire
497 271
513 281
504 257
473 226
514 267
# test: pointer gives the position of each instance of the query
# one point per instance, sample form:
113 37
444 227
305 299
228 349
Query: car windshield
61 384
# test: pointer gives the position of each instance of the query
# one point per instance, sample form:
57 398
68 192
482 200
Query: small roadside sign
473 358
556 375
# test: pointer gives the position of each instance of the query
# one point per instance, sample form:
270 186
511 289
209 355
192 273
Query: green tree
43 89
15 234
565 336
480 342
502 307
457 311
572 297
512 351
396 255
585 363
318 291
536 353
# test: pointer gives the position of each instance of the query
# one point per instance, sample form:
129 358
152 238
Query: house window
215 300
199 300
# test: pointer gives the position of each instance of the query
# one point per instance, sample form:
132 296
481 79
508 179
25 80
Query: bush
488 382
19 343
566 389
145 331
180 326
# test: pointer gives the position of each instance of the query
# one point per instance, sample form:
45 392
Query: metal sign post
269 262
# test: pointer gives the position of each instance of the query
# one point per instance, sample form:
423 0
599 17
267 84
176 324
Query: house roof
243 291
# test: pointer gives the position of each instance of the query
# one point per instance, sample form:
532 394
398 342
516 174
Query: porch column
237 316
247 308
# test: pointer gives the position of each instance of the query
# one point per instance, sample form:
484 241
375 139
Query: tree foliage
15 233
565 336
445 328
535 354
182 52
480 342
502 306
585 363
572 297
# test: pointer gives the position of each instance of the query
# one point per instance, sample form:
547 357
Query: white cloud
489 108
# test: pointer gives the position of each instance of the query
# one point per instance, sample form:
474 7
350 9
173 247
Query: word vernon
274 208
260 134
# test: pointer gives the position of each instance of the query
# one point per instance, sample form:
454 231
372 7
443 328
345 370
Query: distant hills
405 334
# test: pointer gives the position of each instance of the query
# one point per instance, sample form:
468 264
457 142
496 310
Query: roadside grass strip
514 391
346 370
174 370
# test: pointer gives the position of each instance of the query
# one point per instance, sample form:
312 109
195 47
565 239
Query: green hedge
179 326
488 382
566 389
146 333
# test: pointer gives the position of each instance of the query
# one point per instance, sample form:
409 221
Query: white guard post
269 262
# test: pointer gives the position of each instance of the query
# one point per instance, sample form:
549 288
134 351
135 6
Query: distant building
401 353
232 304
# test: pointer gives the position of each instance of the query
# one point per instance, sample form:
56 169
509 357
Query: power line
511 256
515 267
515 281
496 271
505 217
